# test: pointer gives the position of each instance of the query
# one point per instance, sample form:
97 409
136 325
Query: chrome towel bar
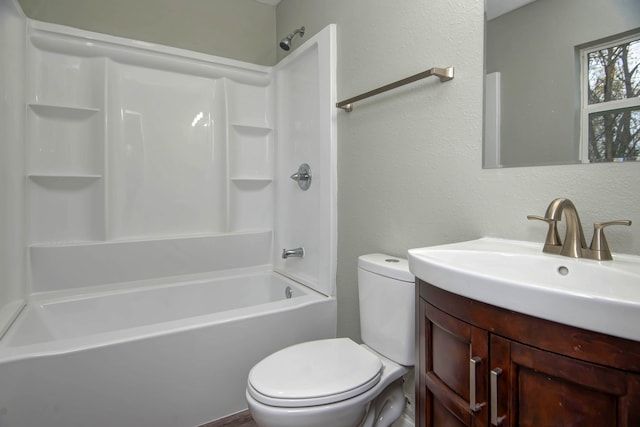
445 74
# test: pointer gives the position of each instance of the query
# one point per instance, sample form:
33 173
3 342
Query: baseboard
404 421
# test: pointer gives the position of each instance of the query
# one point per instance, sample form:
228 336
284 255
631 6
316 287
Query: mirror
533 90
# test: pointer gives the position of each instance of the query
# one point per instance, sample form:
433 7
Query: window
610 113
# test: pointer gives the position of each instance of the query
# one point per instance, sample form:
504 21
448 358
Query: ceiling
269 2
494 8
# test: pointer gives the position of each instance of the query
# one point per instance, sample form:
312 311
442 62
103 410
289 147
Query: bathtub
171 352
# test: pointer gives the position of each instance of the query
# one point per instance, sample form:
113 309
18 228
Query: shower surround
155 179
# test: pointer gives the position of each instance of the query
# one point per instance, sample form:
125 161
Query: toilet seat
314 373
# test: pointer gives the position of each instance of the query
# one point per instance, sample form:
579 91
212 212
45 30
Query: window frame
601 107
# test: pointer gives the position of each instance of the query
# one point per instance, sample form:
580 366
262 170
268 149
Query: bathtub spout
297 252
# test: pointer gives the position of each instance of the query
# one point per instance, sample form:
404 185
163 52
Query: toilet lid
314 373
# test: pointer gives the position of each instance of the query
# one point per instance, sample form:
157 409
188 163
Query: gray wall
409 162
534 50
237 29
12 180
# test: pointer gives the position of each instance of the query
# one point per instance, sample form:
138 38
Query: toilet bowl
336 391
337 382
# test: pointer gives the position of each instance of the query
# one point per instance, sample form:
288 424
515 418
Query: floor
249 423
241 419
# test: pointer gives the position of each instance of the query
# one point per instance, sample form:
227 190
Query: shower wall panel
167 170
251 158
128 140
306 129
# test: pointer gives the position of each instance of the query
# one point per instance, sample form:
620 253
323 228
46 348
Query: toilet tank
386 290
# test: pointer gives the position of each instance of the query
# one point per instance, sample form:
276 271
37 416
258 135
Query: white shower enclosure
125 161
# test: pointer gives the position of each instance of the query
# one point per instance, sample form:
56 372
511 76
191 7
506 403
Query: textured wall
237 29
409 162
12 182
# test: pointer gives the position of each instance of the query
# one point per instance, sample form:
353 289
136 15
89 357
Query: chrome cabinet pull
495 419
473 368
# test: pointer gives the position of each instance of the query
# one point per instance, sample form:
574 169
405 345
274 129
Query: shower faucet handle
303 176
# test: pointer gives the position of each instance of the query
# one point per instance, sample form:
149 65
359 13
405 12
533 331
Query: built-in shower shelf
251 129
45 176
65 141
65 112
67 244
250 179
251 152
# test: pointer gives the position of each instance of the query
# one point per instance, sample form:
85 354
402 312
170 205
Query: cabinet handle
473 368
495 419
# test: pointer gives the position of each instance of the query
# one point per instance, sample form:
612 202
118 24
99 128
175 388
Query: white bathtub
170 352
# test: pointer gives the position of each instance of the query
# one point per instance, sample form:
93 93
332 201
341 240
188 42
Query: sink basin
598 296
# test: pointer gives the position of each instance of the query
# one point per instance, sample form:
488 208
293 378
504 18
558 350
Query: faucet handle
553 238
599 245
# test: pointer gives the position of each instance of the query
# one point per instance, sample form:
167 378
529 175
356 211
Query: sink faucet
574 244
574 241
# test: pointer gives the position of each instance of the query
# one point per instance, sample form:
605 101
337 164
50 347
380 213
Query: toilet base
320 416
386 408
383 411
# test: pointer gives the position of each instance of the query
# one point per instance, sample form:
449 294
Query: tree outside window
611 101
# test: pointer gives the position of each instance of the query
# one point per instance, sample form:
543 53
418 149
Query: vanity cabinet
481 365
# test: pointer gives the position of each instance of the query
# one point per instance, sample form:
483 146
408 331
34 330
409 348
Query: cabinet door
452 384
535 388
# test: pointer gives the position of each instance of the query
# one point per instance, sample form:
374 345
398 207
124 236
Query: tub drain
288 292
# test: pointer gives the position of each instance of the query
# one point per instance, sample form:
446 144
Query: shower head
285 43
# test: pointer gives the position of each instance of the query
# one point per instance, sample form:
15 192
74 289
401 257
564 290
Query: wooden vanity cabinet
540 373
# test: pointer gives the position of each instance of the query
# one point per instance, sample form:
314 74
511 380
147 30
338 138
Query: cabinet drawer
539 388
455 386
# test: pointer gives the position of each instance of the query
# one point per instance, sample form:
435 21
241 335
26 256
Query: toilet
337 382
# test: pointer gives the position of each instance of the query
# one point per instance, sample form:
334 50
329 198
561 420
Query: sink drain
563 271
